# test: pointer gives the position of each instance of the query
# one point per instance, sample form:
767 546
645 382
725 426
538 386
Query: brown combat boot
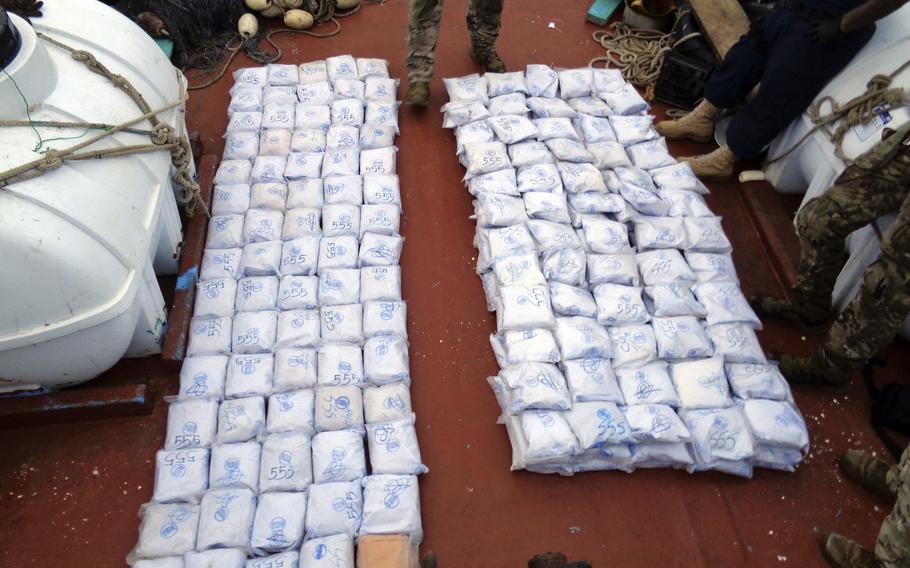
841 552
808 315
489 60
418 94
716 166
814 373
698 125
868 472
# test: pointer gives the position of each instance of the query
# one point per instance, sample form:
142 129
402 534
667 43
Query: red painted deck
70 493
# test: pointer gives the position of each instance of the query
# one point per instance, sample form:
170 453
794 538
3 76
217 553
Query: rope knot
162 134
51 161
878 82
85 57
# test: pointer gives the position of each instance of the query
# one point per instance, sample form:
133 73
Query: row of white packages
286 460
300 165
303 256
236 518
308 194
249 97
332 69
597 436
336 551
377 119
693 384
245 138
541 81
340 220
266 331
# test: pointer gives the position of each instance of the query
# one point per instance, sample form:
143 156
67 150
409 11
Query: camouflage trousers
484 20
893 545
859 196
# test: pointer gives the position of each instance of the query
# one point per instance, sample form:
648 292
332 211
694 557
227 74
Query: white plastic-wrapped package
244 120
661 455
274 560
651 154
279 74
501 181
633 345
571 300
591 380
548 435
380 250
338 455
241 145
341 162
676 299
315 93
459 114
305 193
591 202
216 558
241 419
590 106
541 81
394 449
299 256
245 98
249 375
575 82
225 519
275 142
339 286
712 267
350 89
505 83
338 252
550 236
608 155
386 403
191 423
624 100
342 323
278 116
619 305
540 177
380 88
647 203
385 360
380 283
536 386
555 127
719 434
607 80
286 463
339 408
372 67
485 157
467 89
582 338
648 384
385 318
737 343
619 269
512 128
544 108
677 177
565 265
235 465
302 222
312 117
379 189
776 424
334 508
681 337
605 236
262 259
597 424
511 103
757 380
473 133
292 410
278 523
605 458
254 332
230 199
527 345
256 293
567 150
203 376
595 129
661 233
341 219
701 383
262 225
391 505
341 67
381 219
580 177
294 369
312 72
524 307
336 551
374 136
519 270
529 153
685 203
225 231
632 129
166 530
303 165
181 475
725 303
495 210
209 336
378 161
656 423
707 235
298 292
343 189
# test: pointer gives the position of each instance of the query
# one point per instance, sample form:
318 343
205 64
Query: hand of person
822 31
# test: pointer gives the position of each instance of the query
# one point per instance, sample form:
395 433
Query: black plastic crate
682 80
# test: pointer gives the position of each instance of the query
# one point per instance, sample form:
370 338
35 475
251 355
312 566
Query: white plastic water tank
81 244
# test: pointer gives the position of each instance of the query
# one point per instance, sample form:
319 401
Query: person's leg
484 19
796 72
423 31
892 548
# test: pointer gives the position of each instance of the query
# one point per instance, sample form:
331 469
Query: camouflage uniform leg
871 320
893 545
484 20
423 31
824 223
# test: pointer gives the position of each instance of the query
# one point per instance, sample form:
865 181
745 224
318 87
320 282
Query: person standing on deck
876 184
791 55
892 548
484 20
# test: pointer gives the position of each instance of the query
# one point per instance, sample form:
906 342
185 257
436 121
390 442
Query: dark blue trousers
777 54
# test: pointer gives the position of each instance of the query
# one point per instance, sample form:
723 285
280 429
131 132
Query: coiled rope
162 137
